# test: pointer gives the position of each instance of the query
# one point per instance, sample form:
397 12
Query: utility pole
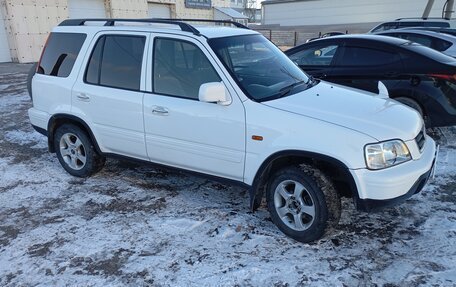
428 9
448 9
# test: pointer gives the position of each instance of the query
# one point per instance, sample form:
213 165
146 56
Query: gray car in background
441 42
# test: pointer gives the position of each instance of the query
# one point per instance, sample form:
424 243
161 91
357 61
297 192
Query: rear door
363 66
108 94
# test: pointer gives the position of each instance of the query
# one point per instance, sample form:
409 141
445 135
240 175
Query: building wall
28 22
127 8
328 12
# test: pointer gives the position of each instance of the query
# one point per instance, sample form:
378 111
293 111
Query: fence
286 38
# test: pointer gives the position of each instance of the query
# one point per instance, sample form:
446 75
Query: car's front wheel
303 203
76 152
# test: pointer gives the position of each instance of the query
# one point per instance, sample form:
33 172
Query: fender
68 119
261 176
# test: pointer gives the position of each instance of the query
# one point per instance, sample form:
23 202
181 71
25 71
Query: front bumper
382 188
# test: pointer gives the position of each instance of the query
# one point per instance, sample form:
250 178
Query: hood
380 118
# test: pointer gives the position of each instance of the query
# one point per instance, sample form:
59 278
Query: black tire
71 152
411 103
319 194
30 75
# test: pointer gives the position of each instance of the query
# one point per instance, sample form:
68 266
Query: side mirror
214 92
382 90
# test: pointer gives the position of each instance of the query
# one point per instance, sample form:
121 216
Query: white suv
224 102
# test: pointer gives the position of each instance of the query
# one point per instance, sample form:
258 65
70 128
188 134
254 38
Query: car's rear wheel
303 203
76 152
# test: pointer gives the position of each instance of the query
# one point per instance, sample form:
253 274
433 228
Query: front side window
60 53
320 55
180 68
261 70
116 62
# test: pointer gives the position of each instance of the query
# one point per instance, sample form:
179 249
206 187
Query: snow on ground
133 225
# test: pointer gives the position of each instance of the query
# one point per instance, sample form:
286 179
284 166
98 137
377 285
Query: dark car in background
448 31
415 75
438 41
326 35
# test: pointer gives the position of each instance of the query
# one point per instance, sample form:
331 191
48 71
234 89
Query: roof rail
111 22
237 24
421 18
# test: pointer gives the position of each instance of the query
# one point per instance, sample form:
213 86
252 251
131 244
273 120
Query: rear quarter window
60 53
429 53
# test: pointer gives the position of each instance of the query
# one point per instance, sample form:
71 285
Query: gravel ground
133 225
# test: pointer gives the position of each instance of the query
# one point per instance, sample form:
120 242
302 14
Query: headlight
386 154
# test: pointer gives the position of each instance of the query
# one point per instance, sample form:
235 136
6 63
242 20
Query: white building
330 12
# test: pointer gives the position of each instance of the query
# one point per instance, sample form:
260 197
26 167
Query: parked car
326 35
414 22
227 104
441 42
415 75
448 31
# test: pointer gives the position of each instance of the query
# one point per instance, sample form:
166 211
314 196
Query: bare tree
250 9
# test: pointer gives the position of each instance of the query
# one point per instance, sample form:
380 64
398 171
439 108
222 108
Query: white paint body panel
206 137
5 55
86 9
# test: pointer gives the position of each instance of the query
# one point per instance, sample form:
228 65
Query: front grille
420 139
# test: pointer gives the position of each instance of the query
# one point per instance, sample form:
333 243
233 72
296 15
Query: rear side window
359 56
116 62
60 53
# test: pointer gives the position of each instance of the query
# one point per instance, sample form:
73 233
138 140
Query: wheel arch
333 167
58 120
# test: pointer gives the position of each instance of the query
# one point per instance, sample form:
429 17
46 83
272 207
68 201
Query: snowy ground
134 225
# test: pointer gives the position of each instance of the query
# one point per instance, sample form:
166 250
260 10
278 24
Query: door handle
160 111
83 97
391 74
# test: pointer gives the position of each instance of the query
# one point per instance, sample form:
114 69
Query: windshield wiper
286 90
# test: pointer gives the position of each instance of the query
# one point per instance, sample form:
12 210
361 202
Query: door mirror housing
214 92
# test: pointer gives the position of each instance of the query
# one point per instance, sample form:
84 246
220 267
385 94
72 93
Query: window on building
180 68
116 62
60 53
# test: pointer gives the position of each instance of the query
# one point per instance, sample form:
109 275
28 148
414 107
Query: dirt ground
133 225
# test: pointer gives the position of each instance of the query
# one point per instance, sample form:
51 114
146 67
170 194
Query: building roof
231 12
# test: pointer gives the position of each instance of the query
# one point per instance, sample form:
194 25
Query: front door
180 130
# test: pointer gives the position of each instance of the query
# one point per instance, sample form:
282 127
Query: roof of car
368 37
207 31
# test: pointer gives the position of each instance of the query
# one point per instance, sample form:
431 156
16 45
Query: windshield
262 71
